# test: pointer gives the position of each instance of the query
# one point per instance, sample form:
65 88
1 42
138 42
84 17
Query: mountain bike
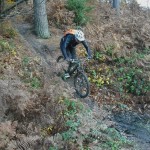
76 70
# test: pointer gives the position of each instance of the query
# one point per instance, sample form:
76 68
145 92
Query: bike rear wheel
81 84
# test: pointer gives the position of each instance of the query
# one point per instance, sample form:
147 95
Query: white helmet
79 35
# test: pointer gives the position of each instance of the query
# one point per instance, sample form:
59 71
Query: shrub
133 80
80 9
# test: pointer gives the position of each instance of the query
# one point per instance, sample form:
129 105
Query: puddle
135 126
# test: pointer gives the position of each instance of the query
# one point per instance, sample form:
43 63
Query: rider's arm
66 42
87 48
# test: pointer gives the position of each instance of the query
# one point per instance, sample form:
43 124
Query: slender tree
40 19
116 5
148 8
1 5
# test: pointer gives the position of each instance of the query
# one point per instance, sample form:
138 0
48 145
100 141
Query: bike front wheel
81 84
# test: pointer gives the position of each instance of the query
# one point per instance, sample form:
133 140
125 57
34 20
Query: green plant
6 46
52 148
28 72
125 61
116 140
146 51
136 83
133 80
98 77
25 61
109 50
72 122
7 30
80 9
35 83
99 56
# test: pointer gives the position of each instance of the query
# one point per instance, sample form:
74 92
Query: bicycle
76 70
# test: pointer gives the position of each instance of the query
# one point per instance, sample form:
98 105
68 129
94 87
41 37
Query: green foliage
11 32
122 74
132 79
70 128
99 75
130 60
116 140
7 30
146 51
52 148
72 122
6 46
80 9
135 82
109 138
28 73
25 61
99 56
109 50
35 83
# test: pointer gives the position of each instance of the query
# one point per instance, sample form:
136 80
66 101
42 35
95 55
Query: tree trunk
1 5
116 5
40 19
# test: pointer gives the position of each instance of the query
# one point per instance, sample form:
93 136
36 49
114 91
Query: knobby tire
81 84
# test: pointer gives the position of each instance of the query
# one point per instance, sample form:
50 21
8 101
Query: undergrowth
132 79
6 30
70 129
28 69
120 73
29 72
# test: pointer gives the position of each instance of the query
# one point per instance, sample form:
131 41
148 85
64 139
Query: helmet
79 35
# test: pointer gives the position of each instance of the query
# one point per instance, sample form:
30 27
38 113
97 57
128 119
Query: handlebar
78 60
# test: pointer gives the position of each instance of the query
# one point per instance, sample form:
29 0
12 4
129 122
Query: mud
135 126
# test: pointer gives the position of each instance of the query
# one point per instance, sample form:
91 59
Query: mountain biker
69 42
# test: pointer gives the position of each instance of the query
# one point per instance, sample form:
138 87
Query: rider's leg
71 56
61 47
67 75
73 53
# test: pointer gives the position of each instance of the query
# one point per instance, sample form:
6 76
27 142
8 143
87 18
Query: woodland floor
134 125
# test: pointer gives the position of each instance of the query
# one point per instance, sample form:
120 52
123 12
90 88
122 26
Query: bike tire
81 85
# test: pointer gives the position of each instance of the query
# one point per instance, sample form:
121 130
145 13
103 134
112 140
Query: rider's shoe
67 75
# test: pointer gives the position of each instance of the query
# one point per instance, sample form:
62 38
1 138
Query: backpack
70 31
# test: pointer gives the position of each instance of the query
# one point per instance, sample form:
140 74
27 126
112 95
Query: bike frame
77 65
81 82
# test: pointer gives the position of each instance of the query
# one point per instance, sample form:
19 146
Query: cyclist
69 42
